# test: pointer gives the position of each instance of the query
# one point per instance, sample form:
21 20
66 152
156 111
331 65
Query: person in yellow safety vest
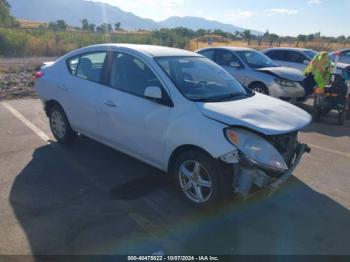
320 68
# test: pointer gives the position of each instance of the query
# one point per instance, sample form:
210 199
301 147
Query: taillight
38 74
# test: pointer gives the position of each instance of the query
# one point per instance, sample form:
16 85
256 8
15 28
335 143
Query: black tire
316 114
341 118
208 168
348 109
260 88
64 134
316 111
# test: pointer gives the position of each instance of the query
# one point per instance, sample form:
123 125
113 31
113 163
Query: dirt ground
17 75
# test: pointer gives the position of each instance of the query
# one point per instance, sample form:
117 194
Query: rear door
296 60
278 56
81 89
127 119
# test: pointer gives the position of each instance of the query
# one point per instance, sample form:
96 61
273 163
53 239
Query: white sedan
177 111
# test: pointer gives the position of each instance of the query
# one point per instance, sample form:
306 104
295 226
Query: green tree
310 37
109 28
246 34
6 20
301 38
341 38
61 25
117 26
273 37
85 24
201 32
91 27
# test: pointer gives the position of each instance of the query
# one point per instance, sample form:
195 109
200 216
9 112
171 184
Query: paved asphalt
89 199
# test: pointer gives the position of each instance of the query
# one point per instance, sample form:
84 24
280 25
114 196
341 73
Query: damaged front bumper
301 149
248 173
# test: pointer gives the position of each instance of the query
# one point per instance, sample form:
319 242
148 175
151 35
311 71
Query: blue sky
284 17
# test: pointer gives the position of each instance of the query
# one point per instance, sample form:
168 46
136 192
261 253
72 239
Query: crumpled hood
288 73
261 113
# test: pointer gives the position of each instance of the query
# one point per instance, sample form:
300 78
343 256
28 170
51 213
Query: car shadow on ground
89 199
328 125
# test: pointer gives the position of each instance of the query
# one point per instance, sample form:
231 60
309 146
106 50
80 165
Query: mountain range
73 11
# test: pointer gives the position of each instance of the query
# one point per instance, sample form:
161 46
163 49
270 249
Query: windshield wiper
223 98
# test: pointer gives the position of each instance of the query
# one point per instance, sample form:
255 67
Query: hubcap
259 90
195 181
58 125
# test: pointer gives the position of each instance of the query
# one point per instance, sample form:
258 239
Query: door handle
109 103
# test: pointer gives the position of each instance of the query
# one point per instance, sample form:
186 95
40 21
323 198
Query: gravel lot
16 76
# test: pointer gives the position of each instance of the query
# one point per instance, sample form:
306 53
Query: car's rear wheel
260 88
341 117
197 178
60 126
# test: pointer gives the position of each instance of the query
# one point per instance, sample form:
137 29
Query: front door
231 64
127 120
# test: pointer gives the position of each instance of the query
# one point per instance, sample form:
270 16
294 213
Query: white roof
232 48
289 49
152 50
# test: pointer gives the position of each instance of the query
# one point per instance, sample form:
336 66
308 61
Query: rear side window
73 64
90 66
275 54
208 54
295 57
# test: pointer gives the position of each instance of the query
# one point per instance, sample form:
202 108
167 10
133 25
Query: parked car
177 111
258 72
297 58
344 56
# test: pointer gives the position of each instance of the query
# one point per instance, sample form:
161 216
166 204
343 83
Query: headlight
256 149
284 82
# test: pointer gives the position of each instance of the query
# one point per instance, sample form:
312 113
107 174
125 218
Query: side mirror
235 64
153 92
306 62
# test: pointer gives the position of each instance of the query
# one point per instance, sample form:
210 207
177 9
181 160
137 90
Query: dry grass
316 45
31 24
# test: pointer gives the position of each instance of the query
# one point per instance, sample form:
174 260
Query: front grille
285 144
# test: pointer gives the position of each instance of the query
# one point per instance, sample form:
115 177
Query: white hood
261 113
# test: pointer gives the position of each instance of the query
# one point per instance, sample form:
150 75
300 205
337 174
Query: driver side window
131 75
225 58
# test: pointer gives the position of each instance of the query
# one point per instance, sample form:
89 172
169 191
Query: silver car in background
258 72
297 58
344 56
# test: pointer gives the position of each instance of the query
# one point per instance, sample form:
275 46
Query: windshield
255 59
200 79
310 53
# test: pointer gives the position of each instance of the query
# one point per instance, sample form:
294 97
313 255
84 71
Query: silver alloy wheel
58 124
195 181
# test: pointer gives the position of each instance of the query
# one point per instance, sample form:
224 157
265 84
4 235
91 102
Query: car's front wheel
197 178
260 88
60 126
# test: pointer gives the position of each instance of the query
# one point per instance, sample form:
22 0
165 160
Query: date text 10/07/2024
173 258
